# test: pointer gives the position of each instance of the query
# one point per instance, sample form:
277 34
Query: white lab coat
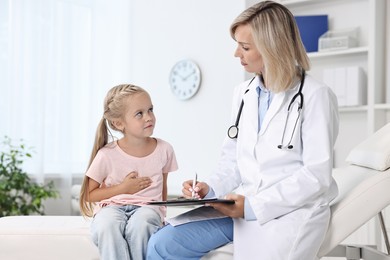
288 190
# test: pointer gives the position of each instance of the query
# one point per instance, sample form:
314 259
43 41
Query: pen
194 184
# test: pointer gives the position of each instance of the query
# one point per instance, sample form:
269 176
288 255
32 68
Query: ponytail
101 139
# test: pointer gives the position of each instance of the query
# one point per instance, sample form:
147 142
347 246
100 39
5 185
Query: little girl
124 174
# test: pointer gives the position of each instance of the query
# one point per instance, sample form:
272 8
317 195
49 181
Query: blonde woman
277 158
124 174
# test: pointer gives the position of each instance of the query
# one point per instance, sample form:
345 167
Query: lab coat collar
277 103
251 103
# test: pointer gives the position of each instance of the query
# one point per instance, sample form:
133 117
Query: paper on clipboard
186 202
197 214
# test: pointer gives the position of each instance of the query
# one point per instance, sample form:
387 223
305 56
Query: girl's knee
105 224
102 226
146 212
146 216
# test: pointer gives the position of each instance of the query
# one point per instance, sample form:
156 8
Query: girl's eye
245 48
151 109
139 114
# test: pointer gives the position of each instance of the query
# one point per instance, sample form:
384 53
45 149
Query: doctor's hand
235 210
201 189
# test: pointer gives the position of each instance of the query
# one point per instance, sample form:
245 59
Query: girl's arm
165 187
130 185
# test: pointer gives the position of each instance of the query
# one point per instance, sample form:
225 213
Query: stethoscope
233 130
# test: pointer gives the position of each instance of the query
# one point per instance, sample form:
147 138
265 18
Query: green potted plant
19 194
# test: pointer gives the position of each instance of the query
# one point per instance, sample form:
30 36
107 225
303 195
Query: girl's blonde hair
277 38
114 109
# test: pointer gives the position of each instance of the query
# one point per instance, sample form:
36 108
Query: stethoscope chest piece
233 132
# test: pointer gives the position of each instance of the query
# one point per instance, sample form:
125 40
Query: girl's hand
133 184
235 210
201 189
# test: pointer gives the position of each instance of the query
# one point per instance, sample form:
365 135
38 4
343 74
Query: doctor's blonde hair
114 108
277 38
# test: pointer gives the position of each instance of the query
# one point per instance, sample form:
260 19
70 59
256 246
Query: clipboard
186 202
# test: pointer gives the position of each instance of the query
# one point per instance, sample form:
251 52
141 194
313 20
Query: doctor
278 165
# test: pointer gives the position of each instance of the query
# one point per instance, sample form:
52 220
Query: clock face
184 79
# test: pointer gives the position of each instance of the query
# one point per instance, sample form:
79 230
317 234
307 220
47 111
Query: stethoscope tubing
233 130
300 105
240 110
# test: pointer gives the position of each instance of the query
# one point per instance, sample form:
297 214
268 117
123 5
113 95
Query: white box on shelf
340 86
335 79
338 40
356 86
348 84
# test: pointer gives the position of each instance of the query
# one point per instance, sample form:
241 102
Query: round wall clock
184 79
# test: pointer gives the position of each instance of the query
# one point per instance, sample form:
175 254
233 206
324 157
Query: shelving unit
369 17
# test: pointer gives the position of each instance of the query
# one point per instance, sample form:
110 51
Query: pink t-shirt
111 165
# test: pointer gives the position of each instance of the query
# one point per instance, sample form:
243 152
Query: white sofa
49 237
363 194
46 238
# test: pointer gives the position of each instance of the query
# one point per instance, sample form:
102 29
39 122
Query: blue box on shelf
311 27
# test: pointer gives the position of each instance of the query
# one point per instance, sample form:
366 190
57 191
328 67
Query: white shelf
292 3
353 109
351 51
363 108
382 106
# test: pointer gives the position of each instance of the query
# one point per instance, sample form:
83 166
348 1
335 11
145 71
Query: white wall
161 33
165 32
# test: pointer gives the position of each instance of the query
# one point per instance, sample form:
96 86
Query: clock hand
186 77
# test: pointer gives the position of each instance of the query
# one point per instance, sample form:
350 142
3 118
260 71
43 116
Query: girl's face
246 50
139 119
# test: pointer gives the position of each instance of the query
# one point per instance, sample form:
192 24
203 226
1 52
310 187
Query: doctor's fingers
233 211
187 184
187 191
201 189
